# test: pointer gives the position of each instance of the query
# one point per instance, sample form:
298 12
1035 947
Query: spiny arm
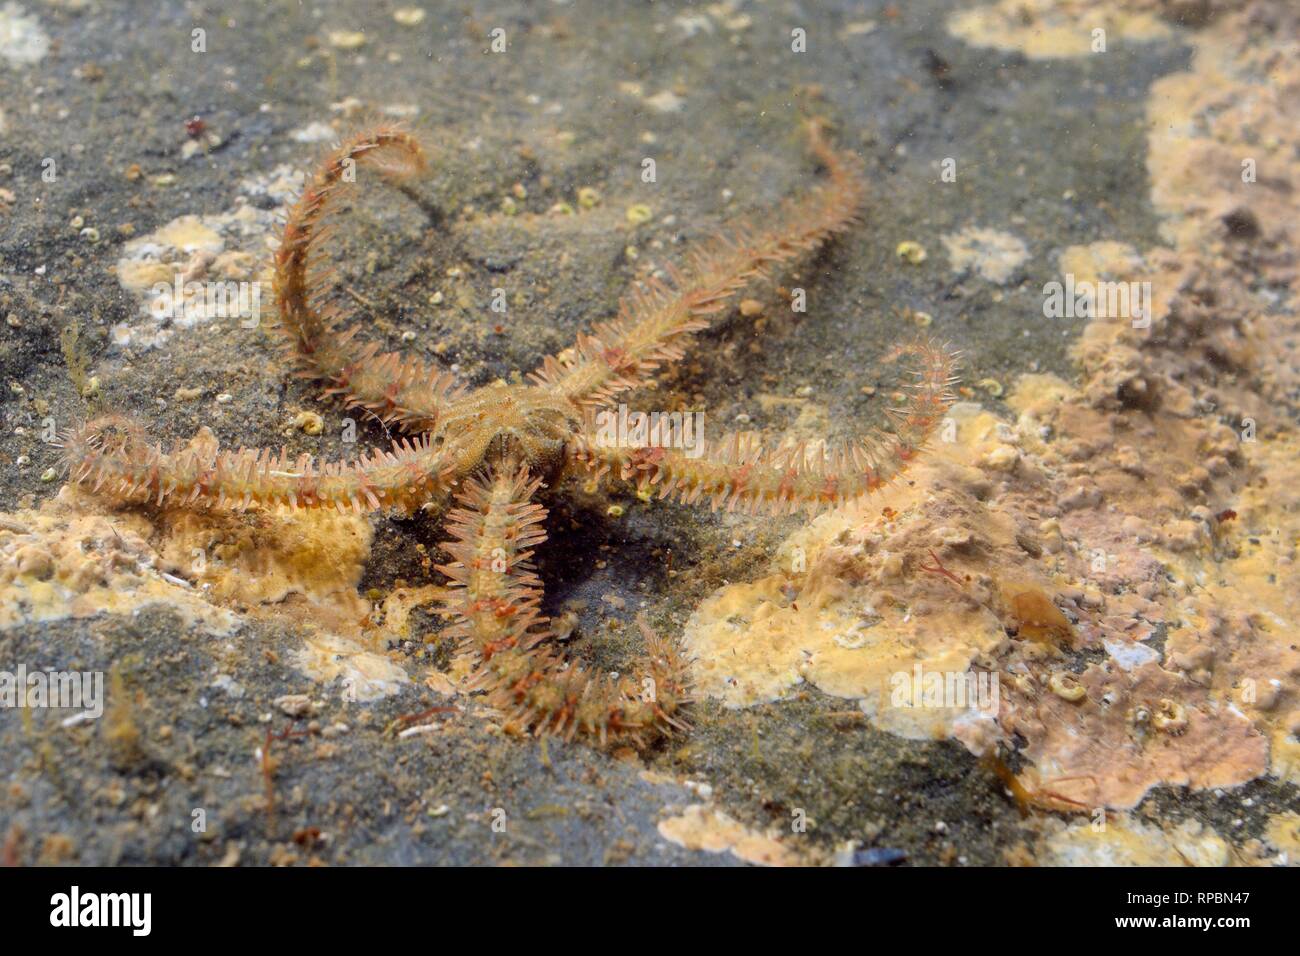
111 456
500 629
655 326
395 389
493 533
738 473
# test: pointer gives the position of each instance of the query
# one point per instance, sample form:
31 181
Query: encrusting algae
1145 514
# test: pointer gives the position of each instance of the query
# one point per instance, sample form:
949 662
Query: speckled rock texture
1096 202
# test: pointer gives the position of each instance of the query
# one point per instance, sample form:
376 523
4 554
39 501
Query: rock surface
1106 529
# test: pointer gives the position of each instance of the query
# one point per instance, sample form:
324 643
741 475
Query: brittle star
493 448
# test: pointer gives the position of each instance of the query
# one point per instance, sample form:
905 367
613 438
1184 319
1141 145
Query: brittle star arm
397 390
111 456
740 472
655 325
493 531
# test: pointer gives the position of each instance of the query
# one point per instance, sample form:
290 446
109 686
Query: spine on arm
401 391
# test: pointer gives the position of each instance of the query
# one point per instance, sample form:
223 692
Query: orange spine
397 390
111 456
501 630
738 473
656 325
